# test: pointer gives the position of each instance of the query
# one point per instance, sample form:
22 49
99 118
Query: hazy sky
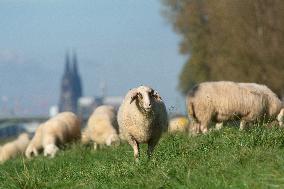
123 43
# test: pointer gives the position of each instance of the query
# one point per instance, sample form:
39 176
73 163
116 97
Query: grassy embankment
224 159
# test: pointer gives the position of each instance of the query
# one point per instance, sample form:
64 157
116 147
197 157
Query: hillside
225 159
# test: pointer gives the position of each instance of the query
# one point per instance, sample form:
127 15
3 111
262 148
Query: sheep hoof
137 161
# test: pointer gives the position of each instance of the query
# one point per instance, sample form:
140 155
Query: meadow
221 159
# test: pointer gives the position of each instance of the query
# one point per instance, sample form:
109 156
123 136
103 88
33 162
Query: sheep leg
204 127
135 146
219 126
242 125
151 145
50 149
95 146
194 129
49 143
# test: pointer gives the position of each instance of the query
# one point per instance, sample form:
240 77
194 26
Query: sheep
61 129
142 118
273 103
12 149
102 127
222 101
178 124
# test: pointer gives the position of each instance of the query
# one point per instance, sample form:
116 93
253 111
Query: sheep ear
133 97
156 95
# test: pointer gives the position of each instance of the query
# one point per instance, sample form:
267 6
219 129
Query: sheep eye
140 96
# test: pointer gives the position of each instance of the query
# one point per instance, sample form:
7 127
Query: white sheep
178 124
273 103
61 129
102 127
275 106
12 149
222 101
142 118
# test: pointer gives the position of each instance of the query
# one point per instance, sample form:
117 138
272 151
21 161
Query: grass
221 159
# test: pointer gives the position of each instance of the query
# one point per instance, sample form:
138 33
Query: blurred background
118 45
68 55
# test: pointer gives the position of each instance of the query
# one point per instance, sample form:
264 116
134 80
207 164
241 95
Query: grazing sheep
142 118
12 149
102 127
222 101
273 105
178 124
61 129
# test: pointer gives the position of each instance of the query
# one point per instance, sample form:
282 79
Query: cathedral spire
76 76
67 63
75 67
71 87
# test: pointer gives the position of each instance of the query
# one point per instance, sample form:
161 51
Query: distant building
71 87
71 96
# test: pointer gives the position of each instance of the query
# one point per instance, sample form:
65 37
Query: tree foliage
238 40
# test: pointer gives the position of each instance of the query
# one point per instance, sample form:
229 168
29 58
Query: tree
238 40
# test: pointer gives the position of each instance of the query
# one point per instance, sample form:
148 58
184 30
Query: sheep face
145 97
280 118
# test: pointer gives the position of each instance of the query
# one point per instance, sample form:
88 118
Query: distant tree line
238 40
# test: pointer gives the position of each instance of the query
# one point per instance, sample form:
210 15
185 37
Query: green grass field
221 159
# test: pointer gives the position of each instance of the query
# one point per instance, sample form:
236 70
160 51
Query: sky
123 44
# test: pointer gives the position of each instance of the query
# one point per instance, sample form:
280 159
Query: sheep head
145 97
280 118
31 151
113 139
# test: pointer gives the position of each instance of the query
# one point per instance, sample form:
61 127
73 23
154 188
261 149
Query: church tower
71 89
76 78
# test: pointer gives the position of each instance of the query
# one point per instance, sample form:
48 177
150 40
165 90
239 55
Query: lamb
59 130
12 149
222 101
102 127
178 124
142 118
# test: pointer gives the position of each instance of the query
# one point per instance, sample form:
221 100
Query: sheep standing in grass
142 118
102 127
273 104
12 149
178 124
222 101
61 129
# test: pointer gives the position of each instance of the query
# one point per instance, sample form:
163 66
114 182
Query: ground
221 159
